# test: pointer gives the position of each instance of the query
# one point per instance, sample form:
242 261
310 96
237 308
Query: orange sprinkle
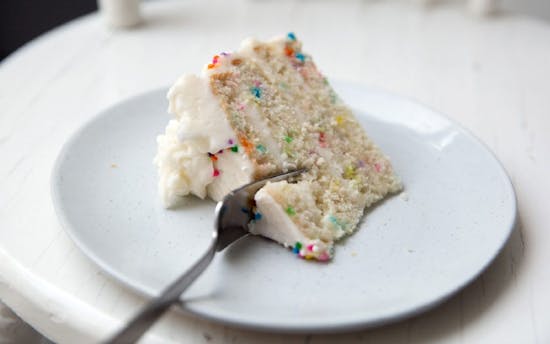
289 51
247 145
211 65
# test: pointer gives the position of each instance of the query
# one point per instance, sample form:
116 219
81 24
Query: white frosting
199 127
275 223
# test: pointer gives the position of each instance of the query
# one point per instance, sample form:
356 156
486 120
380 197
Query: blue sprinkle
257 216
300 57
295 250
244 210
291 36
256 91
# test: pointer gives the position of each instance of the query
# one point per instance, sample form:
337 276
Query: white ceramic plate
410 253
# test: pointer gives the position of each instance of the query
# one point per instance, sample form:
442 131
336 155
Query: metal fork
233 214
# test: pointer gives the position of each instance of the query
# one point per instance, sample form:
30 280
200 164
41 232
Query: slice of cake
263 110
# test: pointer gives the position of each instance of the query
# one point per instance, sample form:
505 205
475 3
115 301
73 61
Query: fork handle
160 304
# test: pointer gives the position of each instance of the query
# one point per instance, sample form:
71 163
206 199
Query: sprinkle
349 172
257 83
244 210
215 173
224 53
336 222
235 149
247 145
323 257
339 119
289 51
300 57
288 139
360 163
290 211
220 151
236 62
297 247
257 216
377 167
211 65
241 107
230 141
256 91
212 157
261 148
310 247
322 140
291 36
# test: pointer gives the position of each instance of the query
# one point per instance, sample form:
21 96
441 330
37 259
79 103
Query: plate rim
332 327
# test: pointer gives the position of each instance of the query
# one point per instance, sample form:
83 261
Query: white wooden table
492 76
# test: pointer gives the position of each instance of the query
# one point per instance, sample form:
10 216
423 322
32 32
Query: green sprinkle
288 139
235 149
290 211
261 148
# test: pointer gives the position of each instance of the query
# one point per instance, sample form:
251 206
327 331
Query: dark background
22 20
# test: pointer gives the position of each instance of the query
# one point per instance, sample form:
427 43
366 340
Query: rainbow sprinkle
257 216
235 149
288 139
377 167
349 172
339 119
297 247
300 57
289 51
290 211
324 257
256 91
215 172
291 36
322 140
215 61
261 148
212 157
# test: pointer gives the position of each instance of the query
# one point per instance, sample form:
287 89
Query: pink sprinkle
216 173
257 83
310 247
323 257
361 163
241 107
230 141
377 167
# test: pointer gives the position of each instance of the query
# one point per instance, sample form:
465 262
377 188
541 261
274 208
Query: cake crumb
114 165
404 196
354 254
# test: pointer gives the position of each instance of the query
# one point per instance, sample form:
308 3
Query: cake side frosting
190 153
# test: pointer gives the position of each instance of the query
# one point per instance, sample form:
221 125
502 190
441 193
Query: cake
262 110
